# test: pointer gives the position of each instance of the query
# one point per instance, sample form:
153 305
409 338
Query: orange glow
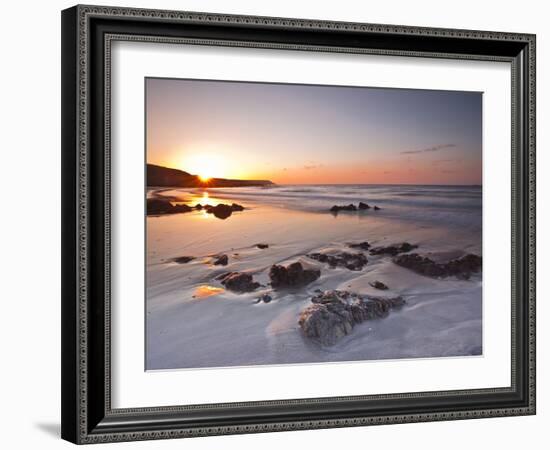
207 291
387 170
205 165
204 198
382 171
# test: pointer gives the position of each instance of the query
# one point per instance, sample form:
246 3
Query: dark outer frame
87 33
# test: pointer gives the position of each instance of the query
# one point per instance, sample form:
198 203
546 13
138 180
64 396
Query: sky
306 134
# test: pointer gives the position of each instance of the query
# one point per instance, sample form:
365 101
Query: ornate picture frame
88 33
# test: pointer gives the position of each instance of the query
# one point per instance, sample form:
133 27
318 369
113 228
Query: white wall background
30 225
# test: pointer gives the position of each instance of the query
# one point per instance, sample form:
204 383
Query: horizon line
319 184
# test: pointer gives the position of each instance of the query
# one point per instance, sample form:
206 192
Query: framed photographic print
280 224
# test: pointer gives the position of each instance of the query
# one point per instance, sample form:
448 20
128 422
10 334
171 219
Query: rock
262 246
350 261
198 207
462 267
333 314
330 296
292 276
361 207
378 285
266 298
183 259
393 250
181 209
223 211
326 323
239 282
350 207
159 206
362 245
366 308
221 260
420 264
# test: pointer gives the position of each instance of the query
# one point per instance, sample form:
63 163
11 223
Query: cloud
312 166
435 148
437 162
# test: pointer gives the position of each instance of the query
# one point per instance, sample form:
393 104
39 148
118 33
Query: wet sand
193 322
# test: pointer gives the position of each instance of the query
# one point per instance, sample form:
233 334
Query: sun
205 165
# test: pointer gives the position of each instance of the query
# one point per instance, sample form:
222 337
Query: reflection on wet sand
201 201
204 198
207 291
194 320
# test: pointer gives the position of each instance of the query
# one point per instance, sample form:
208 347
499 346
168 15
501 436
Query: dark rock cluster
333 314
160 206
361 245
378 285
266 298
183 259
350 261
239 282
223 211
292 276
462 267
221 260
351 207
337 208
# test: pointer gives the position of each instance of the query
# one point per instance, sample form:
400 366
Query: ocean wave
454 205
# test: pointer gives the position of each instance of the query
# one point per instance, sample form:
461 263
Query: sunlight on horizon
205 165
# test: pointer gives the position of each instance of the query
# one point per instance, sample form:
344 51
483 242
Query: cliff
164 176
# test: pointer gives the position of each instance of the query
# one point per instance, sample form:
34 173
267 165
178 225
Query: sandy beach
194 321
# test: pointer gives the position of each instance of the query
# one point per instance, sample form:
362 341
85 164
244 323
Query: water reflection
203 198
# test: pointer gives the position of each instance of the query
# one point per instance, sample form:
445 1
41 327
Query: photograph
279 219
300 224
273 223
